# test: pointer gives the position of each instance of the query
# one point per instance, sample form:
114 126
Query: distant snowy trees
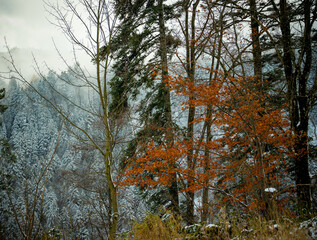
58 180
31 130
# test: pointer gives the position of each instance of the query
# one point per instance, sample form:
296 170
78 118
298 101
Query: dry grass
154 228
257 228
281 229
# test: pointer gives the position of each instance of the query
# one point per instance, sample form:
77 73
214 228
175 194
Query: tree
226 100
297 69
32 141
98 20
2 94
134 68
293 52
7 159
214 49
241 165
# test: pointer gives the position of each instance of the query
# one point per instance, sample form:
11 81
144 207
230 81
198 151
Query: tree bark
256 48
173 189
298 99
205 198
190 69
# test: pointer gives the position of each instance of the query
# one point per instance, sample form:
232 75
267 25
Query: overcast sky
24 24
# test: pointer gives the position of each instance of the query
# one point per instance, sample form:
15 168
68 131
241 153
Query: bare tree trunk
205 198
257 67
107 154
190 69
256 48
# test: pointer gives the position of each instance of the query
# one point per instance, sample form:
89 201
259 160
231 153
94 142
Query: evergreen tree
6 155
142 49
7 158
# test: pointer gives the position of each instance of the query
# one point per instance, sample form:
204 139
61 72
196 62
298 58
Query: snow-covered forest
200 111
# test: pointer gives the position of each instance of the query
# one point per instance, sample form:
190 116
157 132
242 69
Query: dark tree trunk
173 189
256 48
297 96
190 69
205 198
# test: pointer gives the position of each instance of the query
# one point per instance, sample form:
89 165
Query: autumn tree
198 33
213 49
241 164
227 102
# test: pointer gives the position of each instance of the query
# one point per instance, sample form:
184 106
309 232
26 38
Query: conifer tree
6 155
143 33
6 178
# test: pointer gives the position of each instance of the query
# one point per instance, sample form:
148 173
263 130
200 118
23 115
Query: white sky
24 24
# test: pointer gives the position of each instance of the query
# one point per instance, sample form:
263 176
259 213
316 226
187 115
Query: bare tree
98 21
100 25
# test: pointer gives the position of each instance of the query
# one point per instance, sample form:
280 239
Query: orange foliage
250 145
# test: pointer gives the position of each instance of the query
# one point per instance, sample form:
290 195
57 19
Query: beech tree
228 99
214 49
283 54
241 164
